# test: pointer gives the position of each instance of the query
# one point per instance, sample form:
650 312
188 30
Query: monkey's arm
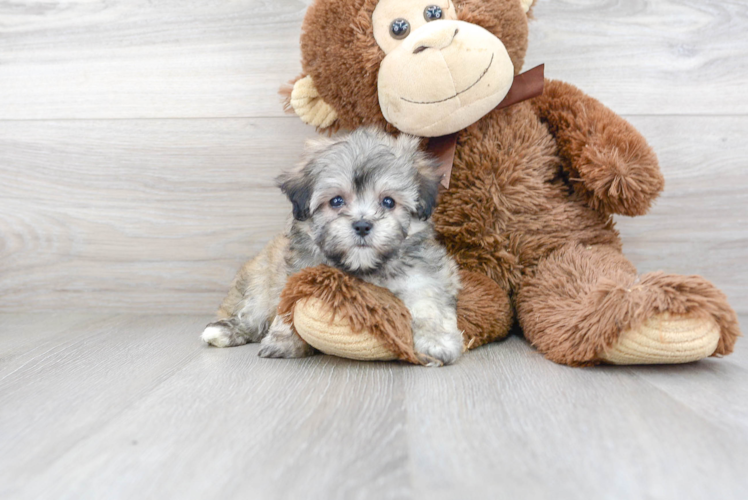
608 162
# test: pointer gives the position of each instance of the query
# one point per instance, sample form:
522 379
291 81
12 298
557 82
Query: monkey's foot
665 339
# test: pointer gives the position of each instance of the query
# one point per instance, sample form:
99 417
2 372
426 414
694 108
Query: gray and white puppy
361 203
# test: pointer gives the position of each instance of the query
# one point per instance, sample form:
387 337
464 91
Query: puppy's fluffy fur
361 203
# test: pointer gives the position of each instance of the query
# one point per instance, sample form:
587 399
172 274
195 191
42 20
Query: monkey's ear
306 102
298 186
526 4
428 192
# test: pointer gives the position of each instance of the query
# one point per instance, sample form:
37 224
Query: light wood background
139 140
138 143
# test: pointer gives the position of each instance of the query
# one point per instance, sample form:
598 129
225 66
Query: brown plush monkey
533 187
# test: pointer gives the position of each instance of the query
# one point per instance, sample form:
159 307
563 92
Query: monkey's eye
399 29
432 13
388 202
337 202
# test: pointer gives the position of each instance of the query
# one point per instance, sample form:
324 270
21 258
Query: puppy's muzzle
362 227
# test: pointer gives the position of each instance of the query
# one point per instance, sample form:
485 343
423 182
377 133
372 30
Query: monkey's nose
434 36
362 227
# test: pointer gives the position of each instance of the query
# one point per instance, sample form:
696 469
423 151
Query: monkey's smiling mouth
458 93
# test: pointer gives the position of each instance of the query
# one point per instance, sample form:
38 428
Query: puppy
362 204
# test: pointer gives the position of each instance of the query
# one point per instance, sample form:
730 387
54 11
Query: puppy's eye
337 202
399 29
432 13
388 202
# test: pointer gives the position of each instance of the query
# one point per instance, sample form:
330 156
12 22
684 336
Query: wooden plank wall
139 140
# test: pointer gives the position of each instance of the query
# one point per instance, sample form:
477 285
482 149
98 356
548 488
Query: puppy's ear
298 186
428 193
314 147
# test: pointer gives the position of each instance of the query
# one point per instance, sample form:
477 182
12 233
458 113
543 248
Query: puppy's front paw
221 334
439 349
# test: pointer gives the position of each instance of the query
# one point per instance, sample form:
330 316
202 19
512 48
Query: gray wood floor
123 407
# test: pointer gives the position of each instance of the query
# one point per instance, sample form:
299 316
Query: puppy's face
359 197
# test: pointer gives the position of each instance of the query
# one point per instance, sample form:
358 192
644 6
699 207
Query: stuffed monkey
528 212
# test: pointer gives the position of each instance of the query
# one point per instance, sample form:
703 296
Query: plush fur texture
590 136
532 192
484 310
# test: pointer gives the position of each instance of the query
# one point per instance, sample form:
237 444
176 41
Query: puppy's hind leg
250 306
227 333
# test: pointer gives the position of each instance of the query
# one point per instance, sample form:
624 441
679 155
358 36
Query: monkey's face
440 74
424 67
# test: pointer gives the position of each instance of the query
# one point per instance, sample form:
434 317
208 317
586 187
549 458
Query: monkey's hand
342 315
607 161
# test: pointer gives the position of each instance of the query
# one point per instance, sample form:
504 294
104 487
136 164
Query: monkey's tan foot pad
665 339
315 324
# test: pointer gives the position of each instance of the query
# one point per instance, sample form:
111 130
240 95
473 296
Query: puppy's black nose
362 227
